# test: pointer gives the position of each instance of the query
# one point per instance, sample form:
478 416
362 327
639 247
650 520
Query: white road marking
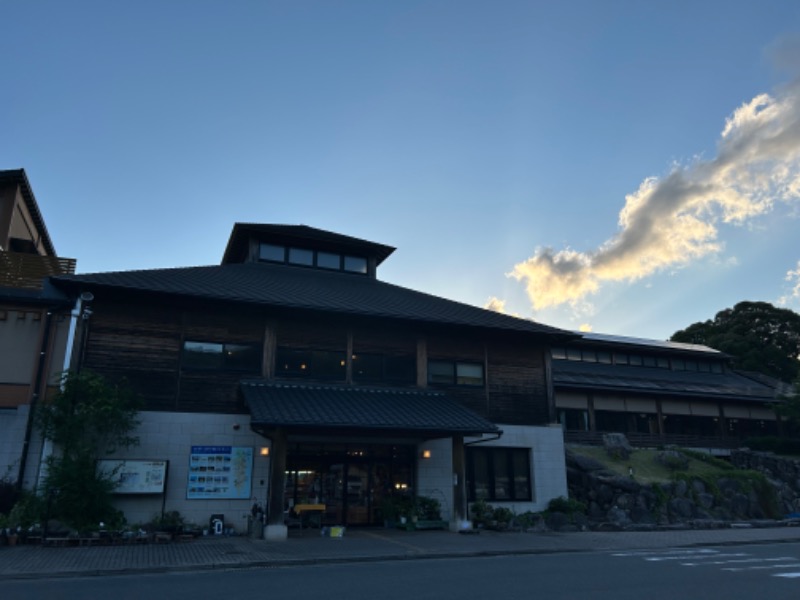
791 575
743 560
661 558
763 567
667 551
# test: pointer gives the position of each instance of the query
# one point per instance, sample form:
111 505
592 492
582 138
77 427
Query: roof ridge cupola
304 246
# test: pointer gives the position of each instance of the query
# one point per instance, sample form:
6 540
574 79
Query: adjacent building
659 392
34 325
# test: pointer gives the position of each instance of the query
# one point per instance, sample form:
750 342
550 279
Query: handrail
20 270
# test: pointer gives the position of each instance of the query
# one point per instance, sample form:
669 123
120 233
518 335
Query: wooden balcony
19 270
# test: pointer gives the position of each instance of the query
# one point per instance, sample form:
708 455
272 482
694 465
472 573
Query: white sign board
136 476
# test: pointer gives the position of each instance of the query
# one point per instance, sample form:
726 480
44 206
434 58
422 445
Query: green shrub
502 515
9 494
566 505
777 445
429 509
481 512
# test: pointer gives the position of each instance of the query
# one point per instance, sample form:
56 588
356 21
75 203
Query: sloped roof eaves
661 382
19 177
311 289
348 407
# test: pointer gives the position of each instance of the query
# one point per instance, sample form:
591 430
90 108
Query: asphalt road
730 572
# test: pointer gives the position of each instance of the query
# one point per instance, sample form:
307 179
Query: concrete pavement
308 547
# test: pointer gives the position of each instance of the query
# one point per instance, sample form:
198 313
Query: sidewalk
307 547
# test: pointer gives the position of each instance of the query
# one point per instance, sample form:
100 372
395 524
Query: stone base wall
617 501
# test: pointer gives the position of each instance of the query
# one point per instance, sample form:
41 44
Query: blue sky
561 161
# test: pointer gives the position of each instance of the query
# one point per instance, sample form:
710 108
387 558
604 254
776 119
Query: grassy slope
645 468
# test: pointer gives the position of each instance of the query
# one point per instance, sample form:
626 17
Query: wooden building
659 393
34 325
291 375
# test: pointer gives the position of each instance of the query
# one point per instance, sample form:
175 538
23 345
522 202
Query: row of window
312 258
327 364
498 474
635 360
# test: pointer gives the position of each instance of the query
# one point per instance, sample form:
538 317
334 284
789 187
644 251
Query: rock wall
619 502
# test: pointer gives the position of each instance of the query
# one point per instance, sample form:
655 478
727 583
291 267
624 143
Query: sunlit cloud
793 295
495 304
669 222
585 328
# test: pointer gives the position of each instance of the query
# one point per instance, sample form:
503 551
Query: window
328 260
313 364
301 256
469 374
620 359
604 357
272 253
588 356
573 354
442 372
558 353
355 264
212 355
445 372
498 474
380 368
307 257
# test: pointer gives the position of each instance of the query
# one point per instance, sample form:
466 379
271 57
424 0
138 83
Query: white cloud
669 222
793 277
495 304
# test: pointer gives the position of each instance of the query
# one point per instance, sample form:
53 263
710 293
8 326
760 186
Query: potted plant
3 530
502 517
482 513
390 511
429 513
407 512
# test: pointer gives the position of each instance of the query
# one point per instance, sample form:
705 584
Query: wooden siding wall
312 336
139 344
516 386
393 343
144 345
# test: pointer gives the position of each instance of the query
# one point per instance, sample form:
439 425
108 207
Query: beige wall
20 344
16 220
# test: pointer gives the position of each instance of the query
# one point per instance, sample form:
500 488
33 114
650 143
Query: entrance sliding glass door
350 481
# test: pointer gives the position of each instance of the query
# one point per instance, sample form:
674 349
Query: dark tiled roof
273 285
348 407
613 342
643 380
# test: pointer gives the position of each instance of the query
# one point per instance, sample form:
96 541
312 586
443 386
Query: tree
759 337
89 418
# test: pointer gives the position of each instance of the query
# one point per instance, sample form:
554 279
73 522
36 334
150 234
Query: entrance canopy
345 409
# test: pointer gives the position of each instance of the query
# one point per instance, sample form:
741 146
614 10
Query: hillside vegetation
646 469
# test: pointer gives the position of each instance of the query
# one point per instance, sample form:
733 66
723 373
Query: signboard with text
220 472
136 476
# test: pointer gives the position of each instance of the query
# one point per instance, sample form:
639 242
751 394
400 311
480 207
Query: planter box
432 524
